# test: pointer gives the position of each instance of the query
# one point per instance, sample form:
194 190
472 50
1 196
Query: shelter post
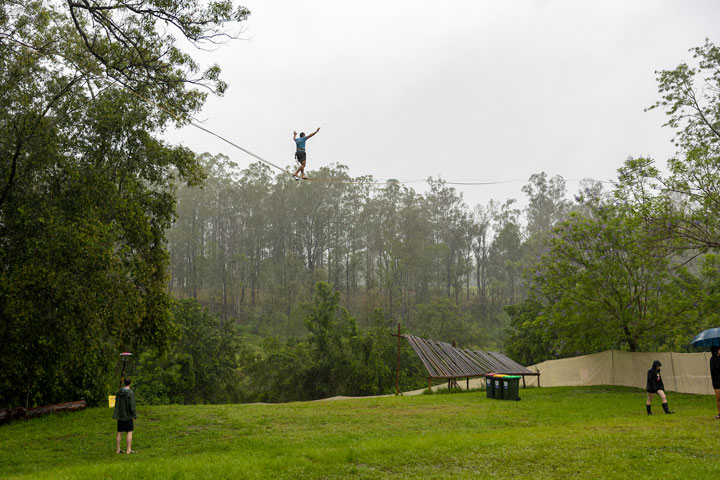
397 371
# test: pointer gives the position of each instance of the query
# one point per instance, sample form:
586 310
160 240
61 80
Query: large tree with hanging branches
86 183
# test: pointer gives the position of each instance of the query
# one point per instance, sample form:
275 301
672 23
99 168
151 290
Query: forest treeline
629 265
251 246
240 284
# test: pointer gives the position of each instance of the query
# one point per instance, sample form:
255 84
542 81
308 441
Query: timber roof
442 360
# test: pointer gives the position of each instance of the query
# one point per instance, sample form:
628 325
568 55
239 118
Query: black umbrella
708 338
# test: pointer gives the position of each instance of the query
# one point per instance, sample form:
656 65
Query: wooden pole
397 371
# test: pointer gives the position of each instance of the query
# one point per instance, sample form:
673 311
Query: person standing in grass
715 375
655 385
125 413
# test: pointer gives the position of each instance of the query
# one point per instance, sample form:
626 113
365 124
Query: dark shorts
300 156
716 385
125 426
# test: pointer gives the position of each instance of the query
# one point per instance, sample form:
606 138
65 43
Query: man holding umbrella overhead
715 375
711 338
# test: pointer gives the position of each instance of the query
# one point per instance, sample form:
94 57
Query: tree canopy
295 288
85 196
635 267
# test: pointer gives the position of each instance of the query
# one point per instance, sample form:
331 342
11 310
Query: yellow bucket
111 401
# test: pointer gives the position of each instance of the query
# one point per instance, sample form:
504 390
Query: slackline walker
192 121
365 181
300 152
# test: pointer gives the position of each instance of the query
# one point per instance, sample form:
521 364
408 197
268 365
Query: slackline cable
193 121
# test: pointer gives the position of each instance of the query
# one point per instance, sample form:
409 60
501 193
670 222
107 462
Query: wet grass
593 432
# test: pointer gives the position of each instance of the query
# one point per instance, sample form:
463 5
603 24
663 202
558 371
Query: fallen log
20 413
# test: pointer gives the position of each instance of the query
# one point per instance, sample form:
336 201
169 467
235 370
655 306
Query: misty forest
230 282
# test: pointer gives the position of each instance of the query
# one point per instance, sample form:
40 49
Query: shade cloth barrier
681 372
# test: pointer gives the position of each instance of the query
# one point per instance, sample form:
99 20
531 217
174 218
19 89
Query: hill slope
594 432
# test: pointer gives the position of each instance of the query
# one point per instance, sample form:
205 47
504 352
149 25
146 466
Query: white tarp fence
681 372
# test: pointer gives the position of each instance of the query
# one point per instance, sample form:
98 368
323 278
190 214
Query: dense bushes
200 366
336 358
213 363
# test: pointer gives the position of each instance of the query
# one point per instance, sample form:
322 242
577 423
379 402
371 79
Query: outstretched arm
294 135
318 129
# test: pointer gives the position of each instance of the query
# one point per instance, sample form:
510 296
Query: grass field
582 432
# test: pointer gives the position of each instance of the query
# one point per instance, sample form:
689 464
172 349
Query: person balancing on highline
300 152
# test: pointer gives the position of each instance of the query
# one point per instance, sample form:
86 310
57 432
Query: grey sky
468 90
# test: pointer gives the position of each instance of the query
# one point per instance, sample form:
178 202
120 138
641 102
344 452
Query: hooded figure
125 412
125 406
655 385
654 380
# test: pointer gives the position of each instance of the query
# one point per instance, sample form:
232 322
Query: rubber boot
649 409
667 410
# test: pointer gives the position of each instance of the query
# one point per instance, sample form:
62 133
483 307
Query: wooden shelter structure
445 361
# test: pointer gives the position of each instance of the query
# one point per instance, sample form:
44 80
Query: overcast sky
467 90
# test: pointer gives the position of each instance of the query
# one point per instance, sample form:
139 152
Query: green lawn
593 432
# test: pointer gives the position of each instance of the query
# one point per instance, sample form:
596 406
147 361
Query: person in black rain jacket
715 375
655 385
125 412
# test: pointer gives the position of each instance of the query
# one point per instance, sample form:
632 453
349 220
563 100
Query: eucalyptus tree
506 255
354 245
414 250
481 234
386 262
187 238
448 215
313 210
338 183
250 227
547 202
287 269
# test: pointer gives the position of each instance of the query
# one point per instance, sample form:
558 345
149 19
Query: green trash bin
498 386
511 387
489 385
